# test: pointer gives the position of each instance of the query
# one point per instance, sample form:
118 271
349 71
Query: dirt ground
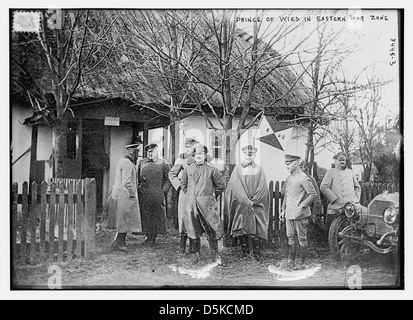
145 267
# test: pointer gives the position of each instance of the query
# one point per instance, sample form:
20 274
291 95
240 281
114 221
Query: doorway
94 157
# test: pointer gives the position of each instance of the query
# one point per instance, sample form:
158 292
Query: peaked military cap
249 150
290 157
150 146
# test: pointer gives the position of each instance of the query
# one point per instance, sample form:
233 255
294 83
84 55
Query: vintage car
377 228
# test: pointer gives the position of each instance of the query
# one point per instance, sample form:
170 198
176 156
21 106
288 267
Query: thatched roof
118 76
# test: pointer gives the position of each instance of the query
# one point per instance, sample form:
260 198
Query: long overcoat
122 208
247 201
175 176
202 184
340 187
154 184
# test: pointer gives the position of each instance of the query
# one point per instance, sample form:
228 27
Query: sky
372 35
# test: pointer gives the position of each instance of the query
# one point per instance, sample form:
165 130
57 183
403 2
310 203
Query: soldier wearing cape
247 202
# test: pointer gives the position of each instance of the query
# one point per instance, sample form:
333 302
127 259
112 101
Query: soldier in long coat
175 175
340 186
154 184
122 209
247 202
202 184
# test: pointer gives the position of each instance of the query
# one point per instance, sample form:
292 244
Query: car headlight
390 215
350 210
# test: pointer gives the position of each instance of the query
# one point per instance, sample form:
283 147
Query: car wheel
342 247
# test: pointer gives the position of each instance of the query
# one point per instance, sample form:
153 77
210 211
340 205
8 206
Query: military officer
340 186
202 184
184 160
299 195
154 184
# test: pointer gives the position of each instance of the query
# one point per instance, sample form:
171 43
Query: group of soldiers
137 205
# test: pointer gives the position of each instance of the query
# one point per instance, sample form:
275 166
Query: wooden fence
56 221
275 234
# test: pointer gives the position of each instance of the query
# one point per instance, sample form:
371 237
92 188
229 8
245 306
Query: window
71 140
216 144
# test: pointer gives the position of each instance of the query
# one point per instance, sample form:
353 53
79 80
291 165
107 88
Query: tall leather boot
213 247
120 242
153 239
234 241
244 245
197 246
250 244
191 246
292 252
257 249
183 242
303 254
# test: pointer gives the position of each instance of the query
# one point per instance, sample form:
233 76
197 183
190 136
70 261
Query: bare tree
201 61
368 116
327 81
53 65
153 55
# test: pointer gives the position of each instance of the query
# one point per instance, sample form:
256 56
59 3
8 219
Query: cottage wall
21 138
119 138
195 126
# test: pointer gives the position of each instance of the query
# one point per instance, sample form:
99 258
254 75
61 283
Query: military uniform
175 175
154 184
340 187
202 184
299 195
121 211
247 202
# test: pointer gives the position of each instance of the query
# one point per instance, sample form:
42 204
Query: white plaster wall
21 137
195 126
272 159
157 136
119 138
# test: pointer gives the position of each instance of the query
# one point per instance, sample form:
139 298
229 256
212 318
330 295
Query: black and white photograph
158 149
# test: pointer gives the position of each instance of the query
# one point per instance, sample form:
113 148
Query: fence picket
90 218
52 215
379 188
61 220
277 211
42 254
33 222
70 221
375 190
23 229
271 213
15 192
363 196
79 219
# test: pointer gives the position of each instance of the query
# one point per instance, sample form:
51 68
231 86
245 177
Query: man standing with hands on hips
299 195
340 186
